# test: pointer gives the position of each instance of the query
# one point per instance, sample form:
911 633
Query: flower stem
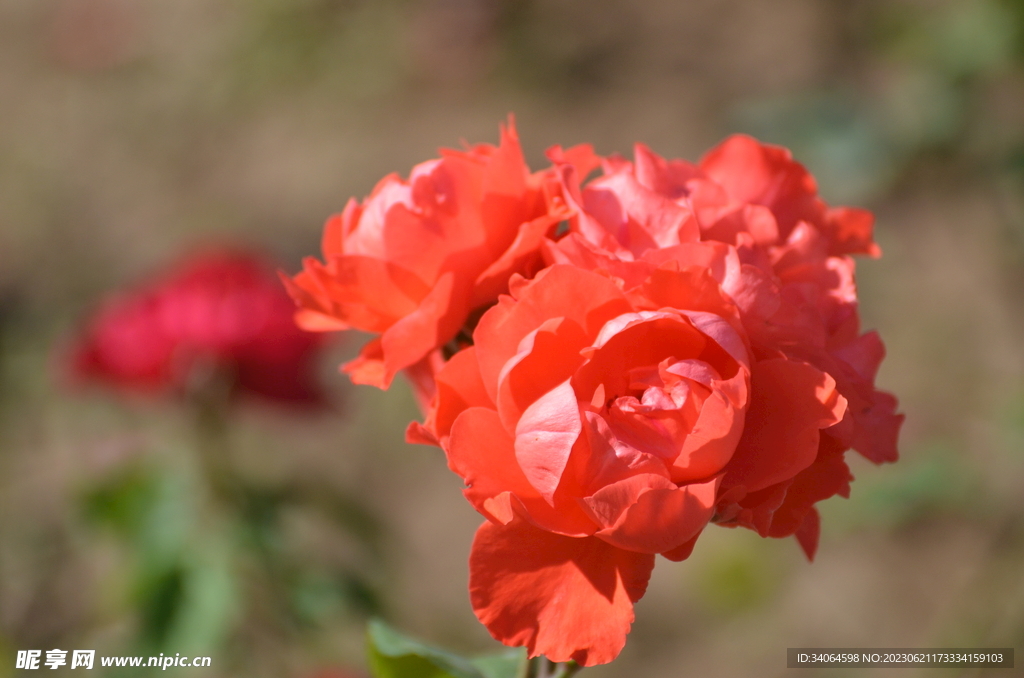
542 667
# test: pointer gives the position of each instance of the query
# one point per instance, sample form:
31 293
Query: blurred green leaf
122 502
508 664
352 44
961 39
210 598
395 655
1016 10
159 600
970 37
358 595
167 523
316 596
7 658
337 506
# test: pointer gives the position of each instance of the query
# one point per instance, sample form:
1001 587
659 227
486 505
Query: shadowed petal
791 401
562 597
649 514
482 453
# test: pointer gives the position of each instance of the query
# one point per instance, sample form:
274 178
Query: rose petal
586 298
637 217
547 356
712 440
756 220
682 552
761 174
649 514
601 457
636 340
790 402
826 477
562 597
524 249
432 324
544 437
459 387
368 367
314 321
851 229
665 177
482 453
369 294
809 532
878 429
581 157
864 354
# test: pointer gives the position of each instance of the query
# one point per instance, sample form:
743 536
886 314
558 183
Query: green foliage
121 502
395 655
511 663
181 584
197 563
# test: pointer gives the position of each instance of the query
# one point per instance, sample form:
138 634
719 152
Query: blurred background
130 132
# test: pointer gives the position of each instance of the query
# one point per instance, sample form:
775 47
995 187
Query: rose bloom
692 355
218 311
790 243
418 258
596 424
791 277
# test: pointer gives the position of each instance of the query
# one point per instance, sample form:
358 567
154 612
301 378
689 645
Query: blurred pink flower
220 311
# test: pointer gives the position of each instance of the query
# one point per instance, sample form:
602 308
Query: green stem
231 495
542 667
212 441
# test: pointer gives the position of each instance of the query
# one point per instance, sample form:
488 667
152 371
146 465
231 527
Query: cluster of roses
611 363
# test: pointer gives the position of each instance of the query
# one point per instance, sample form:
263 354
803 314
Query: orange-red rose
594 427
416 258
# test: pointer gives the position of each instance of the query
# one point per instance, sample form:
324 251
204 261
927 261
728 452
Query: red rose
797 296
415 259
593 427
221 309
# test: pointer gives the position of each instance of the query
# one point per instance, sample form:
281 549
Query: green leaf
394 655
211 598
122 502
511 663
